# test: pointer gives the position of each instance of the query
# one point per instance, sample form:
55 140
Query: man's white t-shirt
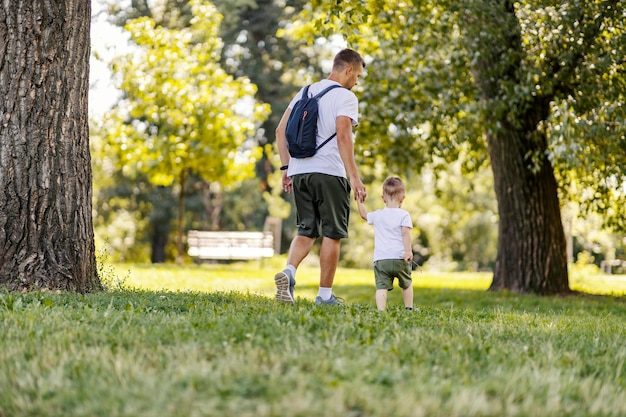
336 102
388 224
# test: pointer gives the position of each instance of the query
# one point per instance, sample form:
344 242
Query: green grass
257 278
210 341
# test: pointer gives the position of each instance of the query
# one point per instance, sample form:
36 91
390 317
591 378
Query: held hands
359 190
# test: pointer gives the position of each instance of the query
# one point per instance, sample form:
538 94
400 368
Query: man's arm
346 151
283 152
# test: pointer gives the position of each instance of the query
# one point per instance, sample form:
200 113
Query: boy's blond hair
393 187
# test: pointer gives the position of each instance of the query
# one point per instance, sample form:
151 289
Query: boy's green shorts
385 270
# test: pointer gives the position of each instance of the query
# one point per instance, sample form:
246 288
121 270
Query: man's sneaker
284 287
332 301
292 283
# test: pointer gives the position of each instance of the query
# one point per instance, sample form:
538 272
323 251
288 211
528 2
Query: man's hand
359 189
287 187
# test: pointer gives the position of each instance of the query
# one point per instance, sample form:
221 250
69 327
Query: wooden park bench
230 245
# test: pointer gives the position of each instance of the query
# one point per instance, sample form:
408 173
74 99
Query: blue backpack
301 129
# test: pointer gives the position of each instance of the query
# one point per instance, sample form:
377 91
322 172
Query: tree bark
531 241
46 229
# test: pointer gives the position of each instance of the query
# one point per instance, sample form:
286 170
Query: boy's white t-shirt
388 223
336 102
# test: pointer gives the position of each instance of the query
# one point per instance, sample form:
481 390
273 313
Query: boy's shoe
412 309
284 287
332 301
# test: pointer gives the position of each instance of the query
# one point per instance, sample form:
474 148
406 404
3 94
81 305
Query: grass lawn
257 278
210 341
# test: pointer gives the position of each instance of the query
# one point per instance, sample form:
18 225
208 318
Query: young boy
392 243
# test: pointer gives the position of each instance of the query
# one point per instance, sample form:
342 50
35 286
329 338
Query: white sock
325 293
291 271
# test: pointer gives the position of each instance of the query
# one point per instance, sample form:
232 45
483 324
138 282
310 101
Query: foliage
467 353
173 14
276 65
183 112
251 47
454 219
419 100
250 50
448 75
424 103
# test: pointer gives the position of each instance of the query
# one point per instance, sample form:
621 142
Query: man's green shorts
322 203
385 270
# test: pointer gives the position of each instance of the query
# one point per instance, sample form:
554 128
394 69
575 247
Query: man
321 184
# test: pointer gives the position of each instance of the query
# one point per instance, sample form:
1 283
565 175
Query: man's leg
299 249
329 257
285 280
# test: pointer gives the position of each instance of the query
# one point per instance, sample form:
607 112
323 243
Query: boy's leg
407 296
406 283
383 276
381 299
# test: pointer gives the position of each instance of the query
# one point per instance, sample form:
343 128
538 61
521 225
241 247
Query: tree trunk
180 227
160 221
46 230
158 243
531 241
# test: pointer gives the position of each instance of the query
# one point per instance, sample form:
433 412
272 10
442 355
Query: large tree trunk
46 230
531 241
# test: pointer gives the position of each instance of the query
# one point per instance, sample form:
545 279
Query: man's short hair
347 57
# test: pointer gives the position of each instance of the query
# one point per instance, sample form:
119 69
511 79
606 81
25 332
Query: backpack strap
317 97
324 91
326 141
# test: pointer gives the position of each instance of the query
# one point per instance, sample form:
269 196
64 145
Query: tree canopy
182 112
535 88
425 100
478 82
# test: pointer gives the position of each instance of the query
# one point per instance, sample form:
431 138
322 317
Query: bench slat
230 245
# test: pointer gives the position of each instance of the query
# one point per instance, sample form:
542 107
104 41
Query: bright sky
107 41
